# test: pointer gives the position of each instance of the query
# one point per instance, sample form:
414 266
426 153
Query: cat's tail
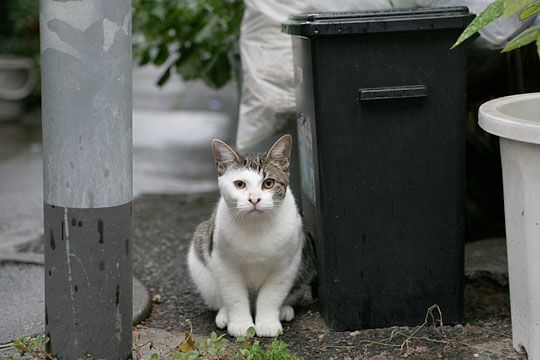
204 280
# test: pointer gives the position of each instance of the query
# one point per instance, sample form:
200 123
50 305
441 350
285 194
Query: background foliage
192 37
505 9
19 27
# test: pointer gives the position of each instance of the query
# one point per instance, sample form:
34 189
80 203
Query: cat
252 254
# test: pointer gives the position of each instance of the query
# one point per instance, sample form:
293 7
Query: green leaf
529 11
189 66
250 332
490 13
207 32
513 6
240 339
145 57
538 46
34 343
217 71
524 38
164 77
198 34
162 55
154 356
19 344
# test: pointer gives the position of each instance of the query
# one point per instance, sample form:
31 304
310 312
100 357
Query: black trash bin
381 120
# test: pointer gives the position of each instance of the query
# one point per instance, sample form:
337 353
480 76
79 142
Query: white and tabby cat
252 253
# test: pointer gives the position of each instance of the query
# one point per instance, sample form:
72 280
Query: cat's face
255 183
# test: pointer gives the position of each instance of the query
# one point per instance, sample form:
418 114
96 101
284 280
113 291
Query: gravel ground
162 229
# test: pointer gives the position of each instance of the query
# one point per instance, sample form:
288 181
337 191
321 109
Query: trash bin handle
392 92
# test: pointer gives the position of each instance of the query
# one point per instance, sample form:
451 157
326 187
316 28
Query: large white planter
516 120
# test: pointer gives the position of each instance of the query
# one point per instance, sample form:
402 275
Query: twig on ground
435 321
433 313
509 336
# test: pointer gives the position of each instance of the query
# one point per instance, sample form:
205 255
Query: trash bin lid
377 21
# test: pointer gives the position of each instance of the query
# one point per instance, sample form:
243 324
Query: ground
163 226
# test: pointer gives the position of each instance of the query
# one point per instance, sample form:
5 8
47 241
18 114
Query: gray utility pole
87 172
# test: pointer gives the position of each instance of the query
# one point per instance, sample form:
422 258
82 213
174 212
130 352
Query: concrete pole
87 172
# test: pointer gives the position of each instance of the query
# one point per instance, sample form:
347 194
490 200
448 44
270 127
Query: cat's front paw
268 328
239 328
222 318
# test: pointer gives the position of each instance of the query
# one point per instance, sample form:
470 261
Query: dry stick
137 350
396 332
428 314
498 333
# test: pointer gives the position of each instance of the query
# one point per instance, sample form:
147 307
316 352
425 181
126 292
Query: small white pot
17 80
516 120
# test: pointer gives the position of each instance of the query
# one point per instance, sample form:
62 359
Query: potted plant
516 120
19 52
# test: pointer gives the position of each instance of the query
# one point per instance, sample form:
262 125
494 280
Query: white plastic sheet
267 97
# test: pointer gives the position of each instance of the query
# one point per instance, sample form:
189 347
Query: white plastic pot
516 120
17 80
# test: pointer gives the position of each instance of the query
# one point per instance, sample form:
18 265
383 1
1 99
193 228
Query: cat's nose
254 200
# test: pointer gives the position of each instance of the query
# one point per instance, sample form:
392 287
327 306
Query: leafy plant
244 348
19 29
32 346
214 348
191 37
251 349
505 9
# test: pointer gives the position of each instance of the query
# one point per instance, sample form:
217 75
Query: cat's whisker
236 213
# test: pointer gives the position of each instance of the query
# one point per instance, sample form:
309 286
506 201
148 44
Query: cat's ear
280 152
224 156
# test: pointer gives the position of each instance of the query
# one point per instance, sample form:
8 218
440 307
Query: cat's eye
269 183
239 184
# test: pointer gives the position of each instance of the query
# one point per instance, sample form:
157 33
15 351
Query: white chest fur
258 246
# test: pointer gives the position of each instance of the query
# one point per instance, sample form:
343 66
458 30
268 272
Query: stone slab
487 258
